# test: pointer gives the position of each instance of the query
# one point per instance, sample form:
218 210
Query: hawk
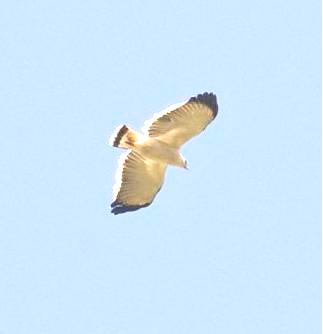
142 168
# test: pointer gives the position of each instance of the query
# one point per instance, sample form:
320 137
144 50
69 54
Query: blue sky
230 246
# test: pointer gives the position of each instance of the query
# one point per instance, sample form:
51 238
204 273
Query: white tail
124 137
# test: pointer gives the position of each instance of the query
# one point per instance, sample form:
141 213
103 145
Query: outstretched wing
138 180
180 122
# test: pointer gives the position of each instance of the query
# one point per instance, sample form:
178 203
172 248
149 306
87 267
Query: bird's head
183 162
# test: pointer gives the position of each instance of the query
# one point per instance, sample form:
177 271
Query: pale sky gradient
230 246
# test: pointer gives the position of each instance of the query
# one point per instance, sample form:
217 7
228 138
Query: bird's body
158 150
142 169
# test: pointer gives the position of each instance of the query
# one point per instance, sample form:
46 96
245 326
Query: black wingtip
118 207
208 99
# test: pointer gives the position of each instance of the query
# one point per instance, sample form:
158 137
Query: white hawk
142 168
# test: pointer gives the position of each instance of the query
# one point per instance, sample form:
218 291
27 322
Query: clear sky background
230 246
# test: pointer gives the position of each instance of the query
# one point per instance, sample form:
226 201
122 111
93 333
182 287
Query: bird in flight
142 168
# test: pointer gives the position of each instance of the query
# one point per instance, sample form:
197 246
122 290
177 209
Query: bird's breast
153 148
